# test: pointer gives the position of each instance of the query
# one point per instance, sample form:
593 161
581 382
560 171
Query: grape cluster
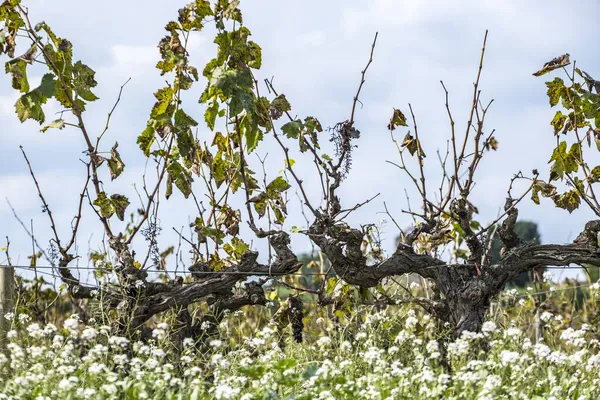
296 315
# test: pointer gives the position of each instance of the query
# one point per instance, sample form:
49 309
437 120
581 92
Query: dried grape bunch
296 315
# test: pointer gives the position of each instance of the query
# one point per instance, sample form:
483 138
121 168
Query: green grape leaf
558 122
556 89
57 124
292 129
120 204
398 119
181 177
146 139
83 81
569 201
115 164
164 97
277 186
30 104
107 209
18 69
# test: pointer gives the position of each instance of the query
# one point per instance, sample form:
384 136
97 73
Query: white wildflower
372 355
558 358
546 316
513 332
225 391
573 337
433 348
35 331
66 384
163 325
411 322
488 327
21 381
24 318
346 346
89 333
158 333
458 348
509 357
160 353
96 369
594 361
110 389
120 359
71 323
205 325
403 337
118 341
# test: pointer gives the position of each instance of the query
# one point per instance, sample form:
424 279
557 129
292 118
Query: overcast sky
315 51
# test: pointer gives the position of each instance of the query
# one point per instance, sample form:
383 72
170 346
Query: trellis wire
250 273
52 274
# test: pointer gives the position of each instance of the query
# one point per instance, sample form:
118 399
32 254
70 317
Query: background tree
527 231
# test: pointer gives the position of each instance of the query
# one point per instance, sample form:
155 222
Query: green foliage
398 119
546 189
18 69
115 204
57 124
30 104
236 248
170 136
146 139
564 162
305 131
83 81
115 164
272 197
579 123
292 129
276 187
181 177
280 105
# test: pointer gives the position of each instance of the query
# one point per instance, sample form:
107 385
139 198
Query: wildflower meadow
398 353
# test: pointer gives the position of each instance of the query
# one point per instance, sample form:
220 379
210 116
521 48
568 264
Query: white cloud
7 103
134 57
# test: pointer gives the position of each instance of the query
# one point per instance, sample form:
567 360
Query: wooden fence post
7 301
